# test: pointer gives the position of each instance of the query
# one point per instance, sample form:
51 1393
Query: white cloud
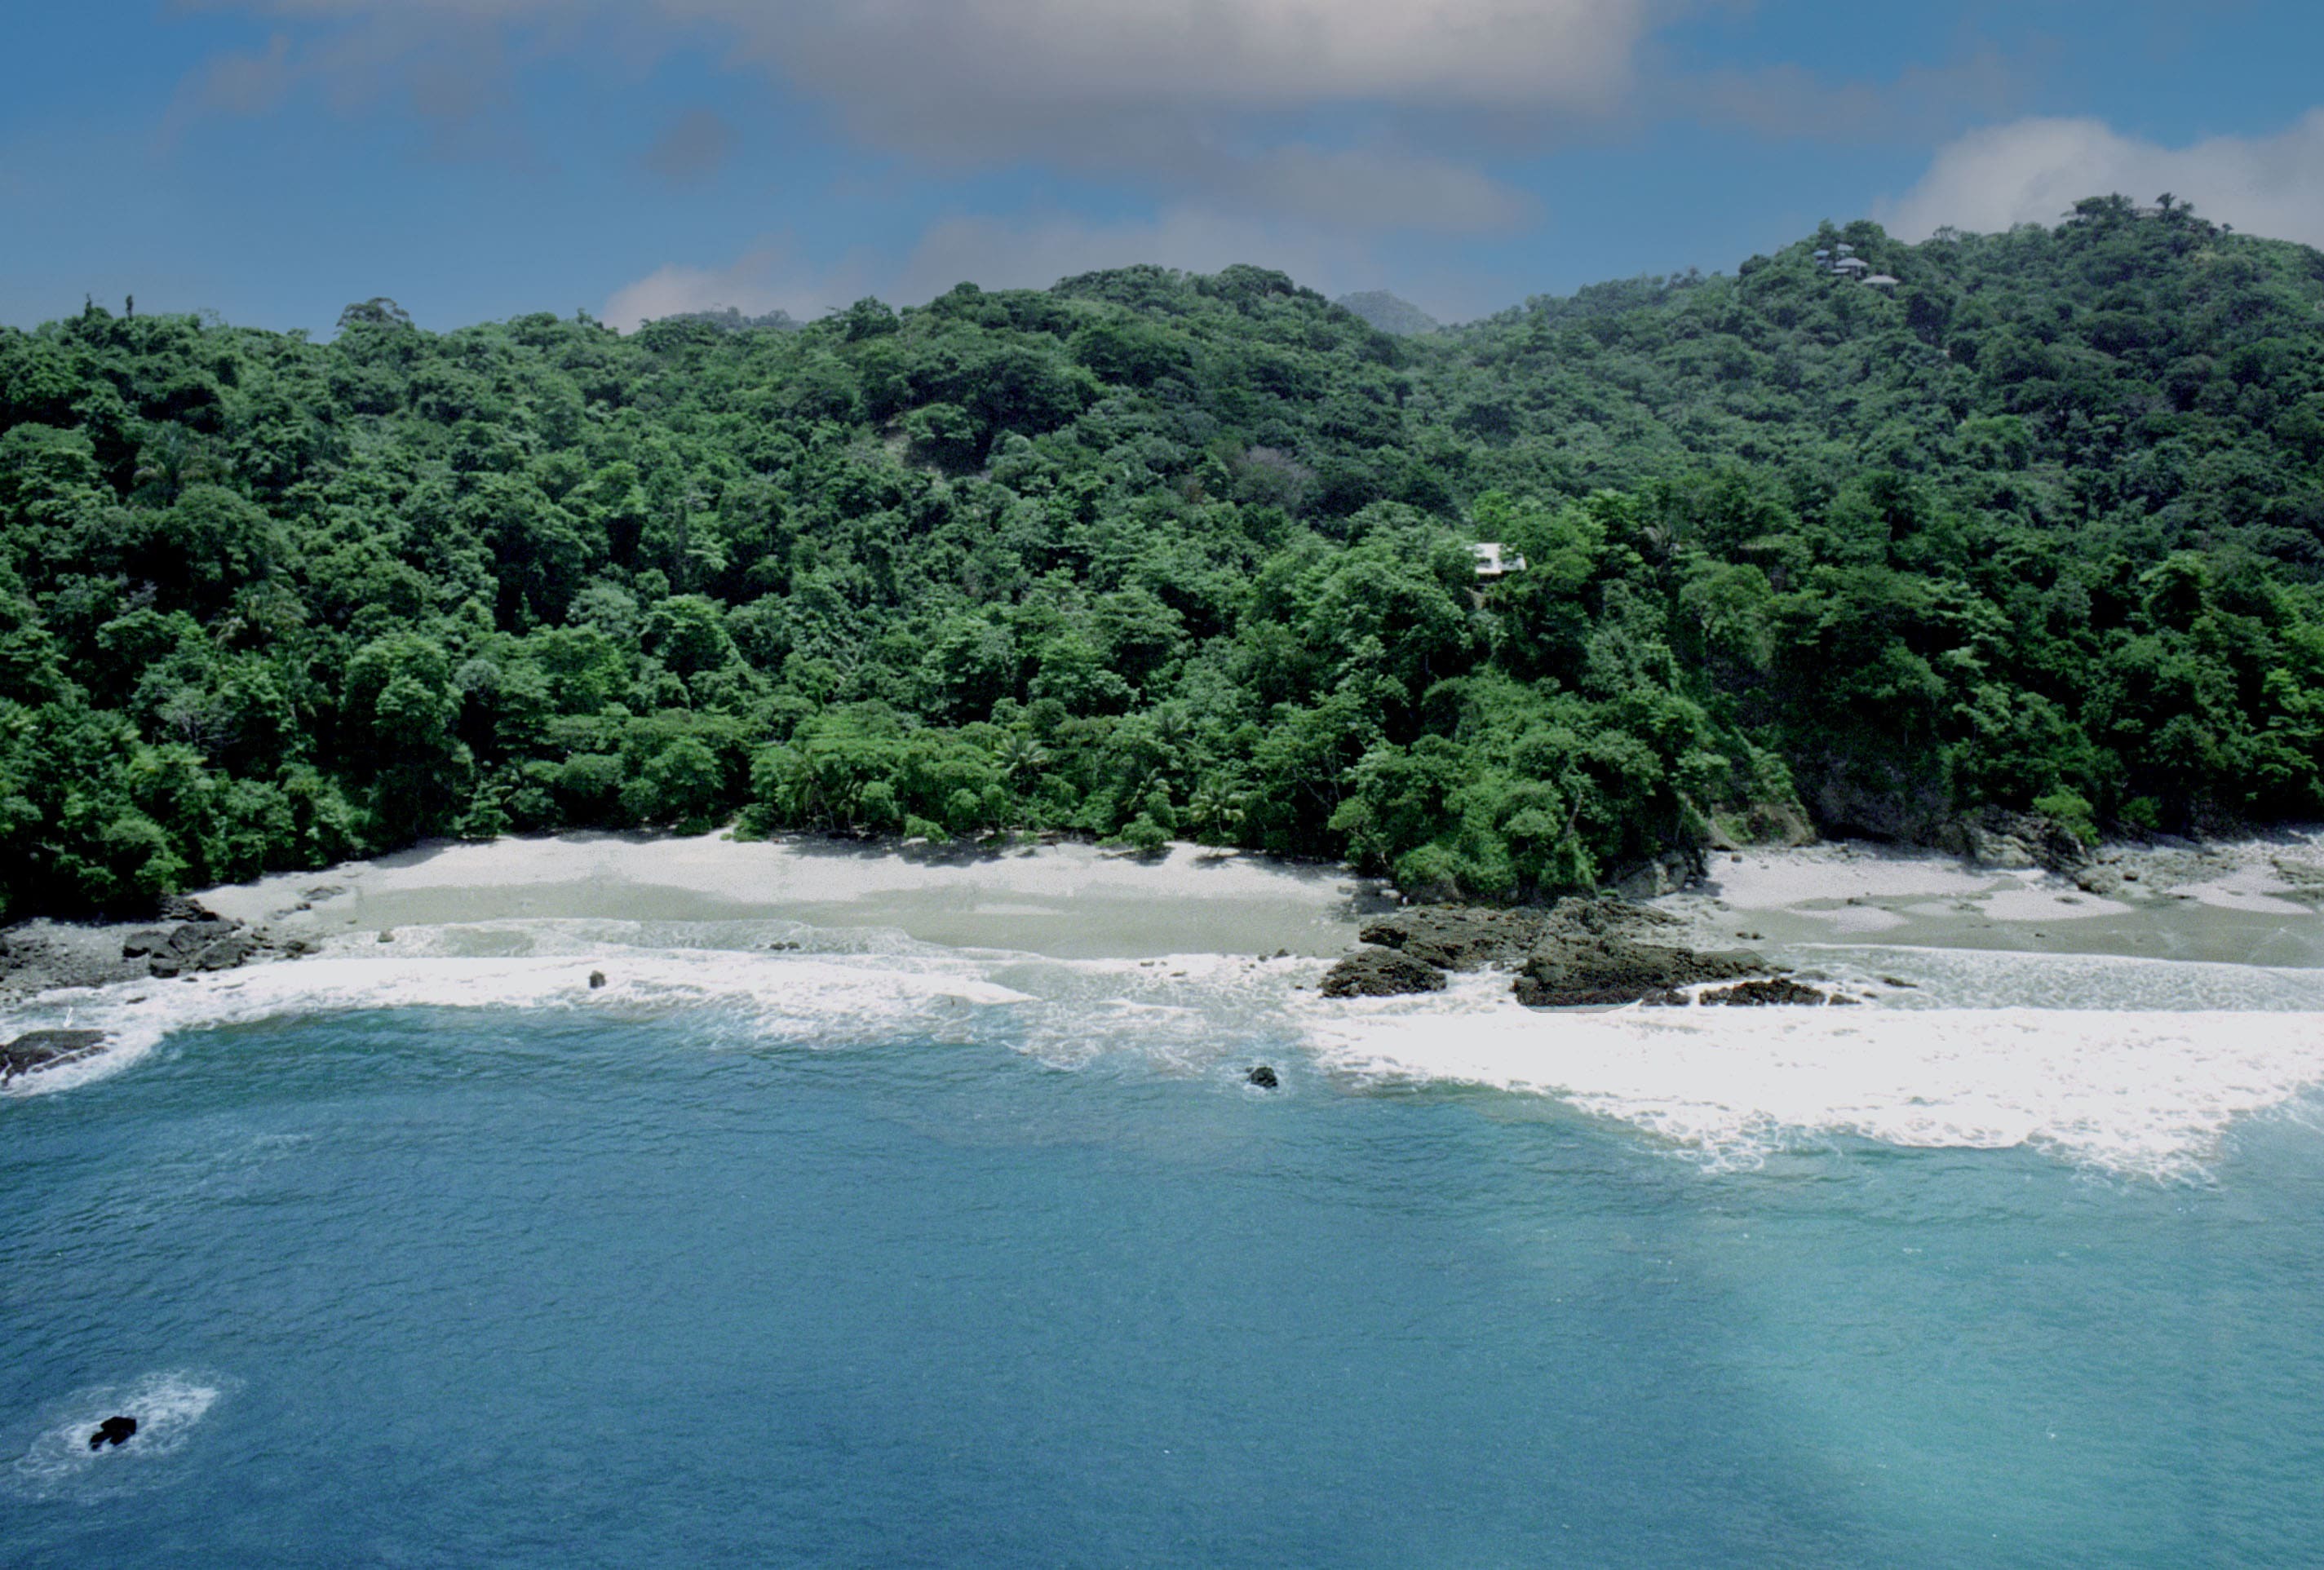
1186 97
2034 170
767 278
994 253
999 253
1256 53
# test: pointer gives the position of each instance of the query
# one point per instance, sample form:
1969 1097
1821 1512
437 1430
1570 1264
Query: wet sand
2254 902
1066 901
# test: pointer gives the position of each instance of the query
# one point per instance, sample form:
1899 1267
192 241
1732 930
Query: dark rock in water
113 1431
46 1050
1264 1078
1596 951
1381 973
597 980
1773 990
1457 937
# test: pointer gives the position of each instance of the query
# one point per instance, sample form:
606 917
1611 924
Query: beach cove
889 1207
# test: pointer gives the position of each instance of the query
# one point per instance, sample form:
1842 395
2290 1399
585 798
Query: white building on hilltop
1495 561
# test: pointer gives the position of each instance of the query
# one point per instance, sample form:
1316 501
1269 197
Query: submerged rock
113 1431
46 1050
1263 1076
1374 972
597 980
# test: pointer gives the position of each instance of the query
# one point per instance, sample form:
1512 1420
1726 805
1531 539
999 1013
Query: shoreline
2249 901
1997 1013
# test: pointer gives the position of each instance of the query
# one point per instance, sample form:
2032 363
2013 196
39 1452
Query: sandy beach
1063 901
2251 902
2127 1013
2246 902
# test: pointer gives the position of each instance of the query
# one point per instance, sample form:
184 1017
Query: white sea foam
59 1462
866 987
2136 1065
2144 1092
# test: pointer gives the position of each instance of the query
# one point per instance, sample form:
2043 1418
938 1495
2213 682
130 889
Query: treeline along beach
2030 522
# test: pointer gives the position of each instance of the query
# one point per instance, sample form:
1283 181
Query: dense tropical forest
1150 555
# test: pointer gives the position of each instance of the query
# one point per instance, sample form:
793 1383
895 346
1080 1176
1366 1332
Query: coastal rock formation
1375 972
1585 950
1263 1076
1457 937
46 1050
1604 951
113 1431
1998 837
41 955
1773 989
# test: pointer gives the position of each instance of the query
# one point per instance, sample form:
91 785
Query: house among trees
1495 561
1879 281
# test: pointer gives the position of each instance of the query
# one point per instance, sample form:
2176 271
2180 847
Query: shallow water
883 1255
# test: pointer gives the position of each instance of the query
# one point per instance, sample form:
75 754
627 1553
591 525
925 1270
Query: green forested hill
1147 555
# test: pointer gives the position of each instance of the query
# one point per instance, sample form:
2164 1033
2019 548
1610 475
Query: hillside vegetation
1147 554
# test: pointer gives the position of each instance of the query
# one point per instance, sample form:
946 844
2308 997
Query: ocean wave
858 988
2130 1065
2147 1093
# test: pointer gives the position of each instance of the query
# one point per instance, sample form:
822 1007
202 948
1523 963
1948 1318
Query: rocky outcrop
1771 990
1585 950
46 1050
1457 937
202 941
1596 951
42 955
1263 1076
1376 973
1997 837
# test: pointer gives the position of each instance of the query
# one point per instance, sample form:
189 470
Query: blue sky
273 159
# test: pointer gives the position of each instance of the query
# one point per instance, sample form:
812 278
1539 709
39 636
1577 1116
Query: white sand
2246 902
1064 900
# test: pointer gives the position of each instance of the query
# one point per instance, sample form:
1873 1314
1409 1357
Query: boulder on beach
1608 951
46 1050
1375 972
1457 937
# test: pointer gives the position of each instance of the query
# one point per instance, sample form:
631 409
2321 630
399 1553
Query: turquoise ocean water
656 1285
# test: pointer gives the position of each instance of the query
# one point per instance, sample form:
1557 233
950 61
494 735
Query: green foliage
1147 555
